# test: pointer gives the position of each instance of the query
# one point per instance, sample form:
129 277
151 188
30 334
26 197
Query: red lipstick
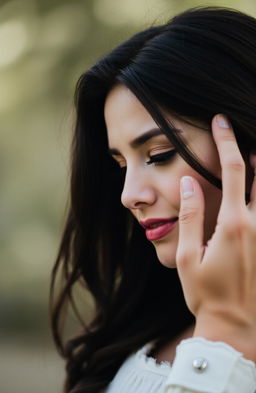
156 228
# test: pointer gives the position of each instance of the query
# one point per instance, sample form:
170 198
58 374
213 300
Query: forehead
126 118
124 114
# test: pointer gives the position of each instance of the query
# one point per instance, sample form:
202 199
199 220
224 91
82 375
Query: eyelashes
161 157
156 159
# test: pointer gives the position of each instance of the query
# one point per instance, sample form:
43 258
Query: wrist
240 337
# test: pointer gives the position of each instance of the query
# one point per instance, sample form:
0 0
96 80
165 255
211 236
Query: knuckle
227 137
183 258
186 256
237 225
236 164
187 214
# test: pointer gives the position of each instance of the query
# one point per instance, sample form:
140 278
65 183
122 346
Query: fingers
191 223
232 164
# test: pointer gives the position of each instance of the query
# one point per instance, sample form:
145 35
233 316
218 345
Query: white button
200 364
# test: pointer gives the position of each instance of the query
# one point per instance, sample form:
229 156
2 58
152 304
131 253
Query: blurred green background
44 47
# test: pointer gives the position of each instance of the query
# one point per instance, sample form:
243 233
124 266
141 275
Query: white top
200 366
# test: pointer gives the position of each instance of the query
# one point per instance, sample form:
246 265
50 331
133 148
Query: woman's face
151 187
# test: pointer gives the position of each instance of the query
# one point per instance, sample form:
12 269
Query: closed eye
161 157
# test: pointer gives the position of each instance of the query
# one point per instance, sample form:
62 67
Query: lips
157 228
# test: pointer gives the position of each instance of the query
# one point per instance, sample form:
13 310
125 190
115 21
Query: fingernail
187 187
222 121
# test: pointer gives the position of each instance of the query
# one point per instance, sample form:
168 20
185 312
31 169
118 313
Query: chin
166 257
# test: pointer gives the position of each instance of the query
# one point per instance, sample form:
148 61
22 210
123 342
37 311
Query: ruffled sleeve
140 374
203 366
200 366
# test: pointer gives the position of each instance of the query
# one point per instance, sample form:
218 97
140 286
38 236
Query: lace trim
150 362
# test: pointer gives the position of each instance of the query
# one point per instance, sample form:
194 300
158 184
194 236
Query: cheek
169 188
212 195
169 182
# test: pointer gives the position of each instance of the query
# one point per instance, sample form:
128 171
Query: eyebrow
140 140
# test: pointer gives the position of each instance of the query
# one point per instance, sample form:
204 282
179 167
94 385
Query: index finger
232 164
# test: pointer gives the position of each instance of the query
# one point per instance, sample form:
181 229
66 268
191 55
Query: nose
138 190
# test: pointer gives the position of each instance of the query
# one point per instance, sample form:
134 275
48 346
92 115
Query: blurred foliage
45 45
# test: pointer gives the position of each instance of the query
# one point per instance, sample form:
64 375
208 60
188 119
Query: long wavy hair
200 63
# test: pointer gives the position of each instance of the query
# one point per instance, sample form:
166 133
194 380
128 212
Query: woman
174 105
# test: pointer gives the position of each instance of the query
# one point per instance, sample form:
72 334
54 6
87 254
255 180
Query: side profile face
153 170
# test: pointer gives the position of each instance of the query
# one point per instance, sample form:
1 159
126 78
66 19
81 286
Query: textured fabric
226 371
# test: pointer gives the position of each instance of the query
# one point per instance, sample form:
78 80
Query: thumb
191 223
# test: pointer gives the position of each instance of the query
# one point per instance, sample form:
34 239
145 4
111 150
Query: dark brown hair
200 63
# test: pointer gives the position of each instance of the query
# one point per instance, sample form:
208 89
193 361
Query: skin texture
215 236
152 191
